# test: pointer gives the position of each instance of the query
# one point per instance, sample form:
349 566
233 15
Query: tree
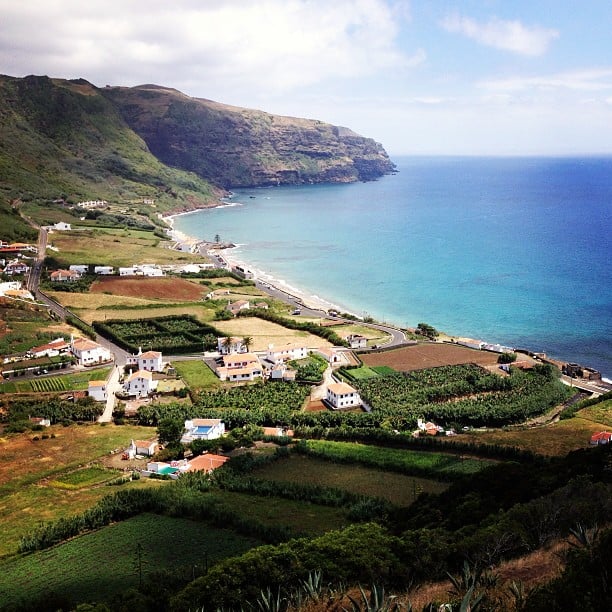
217 238
170 431
247 341
427 330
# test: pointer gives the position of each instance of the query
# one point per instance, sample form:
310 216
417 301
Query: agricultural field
556 439
439 466
28 466
173 334
374 336
429 355
99 301
163 543
165 288
265 333
599 413
83 477
115 247
399 489
196 374
365 372
462 395
299 516
49 384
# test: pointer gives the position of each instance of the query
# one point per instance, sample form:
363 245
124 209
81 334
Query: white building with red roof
89 352
140 383
342 395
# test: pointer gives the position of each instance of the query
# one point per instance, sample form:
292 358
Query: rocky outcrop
237 147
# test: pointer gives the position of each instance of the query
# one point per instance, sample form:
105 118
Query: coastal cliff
238 147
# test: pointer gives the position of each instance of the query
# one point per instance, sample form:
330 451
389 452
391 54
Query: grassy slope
62 139
165 542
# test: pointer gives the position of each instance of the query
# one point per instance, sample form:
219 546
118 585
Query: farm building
150 361
141 447
202 429
80 268
61 226
206 463
228 346
341 395
331 355
51 349
357 341
236 307
601 437
104 270
64 276
97 390
140 383
89 352
40 421
286 353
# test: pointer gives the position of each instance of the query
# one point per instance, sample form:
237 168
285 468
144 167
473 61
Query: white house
202 429
51 349
341 395
142 447
105 270
236 307
331 355
286 353
10 286
140 383
243 272
240 367
357 341
15 267
129 271
64 276
97 390
149 270
281 372
151 361
80 268
61 226
228 346
89 352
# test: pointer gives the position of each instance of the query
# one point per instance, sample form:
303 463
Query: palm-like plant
247 342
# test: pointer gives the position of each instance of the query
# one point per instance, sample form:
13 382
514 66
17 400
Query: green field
399 489
196 374
85 477
299 516
105 562
436 465
67 382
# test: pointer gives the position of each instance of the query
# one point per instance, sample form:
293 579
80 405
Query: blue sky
464 77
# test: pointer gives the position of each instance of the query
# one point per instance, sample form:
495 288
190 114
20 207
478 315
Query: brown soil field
165 288
421 356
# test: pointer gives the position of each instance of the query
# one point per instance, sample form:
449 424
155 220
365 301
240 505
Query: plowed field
423 356
165 288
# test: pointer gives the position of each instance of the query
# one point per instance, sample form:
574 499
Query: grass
302 517
115 247
200 312
84 477
599 413
265 333
67 382
362 373
196 374
85 562
399 489
436 465
552 440
26 469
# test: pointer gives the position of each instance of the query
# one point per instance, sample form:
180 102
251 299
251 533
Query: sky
425 77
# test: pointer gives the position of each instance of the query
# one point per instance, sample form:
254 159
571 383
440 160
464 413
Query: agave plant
377 601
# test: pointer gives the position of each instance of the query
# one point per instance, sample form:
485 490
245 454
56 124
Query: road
398 338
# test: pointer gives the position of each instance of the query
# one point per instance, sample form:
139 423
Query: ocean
510 250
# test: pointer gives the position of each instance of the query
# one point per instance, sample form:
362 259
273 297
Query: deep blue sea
509 250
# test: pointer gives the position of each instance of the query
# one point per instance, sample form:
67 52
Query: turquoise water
510 250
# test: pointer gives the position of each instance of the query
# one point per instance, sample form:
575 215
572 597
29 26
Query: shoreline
306 299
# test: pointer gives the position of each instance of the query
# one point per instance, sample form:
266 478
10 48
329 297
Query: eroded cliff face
237 147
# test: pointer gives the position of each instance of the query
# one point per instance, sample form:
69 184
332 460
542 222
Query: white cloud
598 79
507 35
207 48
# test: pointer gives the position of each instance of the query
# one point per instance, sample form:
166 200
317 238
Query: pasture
265 333
165 288
399 489
107 561
196 374
115 247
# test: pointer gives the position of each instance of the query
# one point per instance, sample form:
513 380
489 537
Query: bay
509 250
